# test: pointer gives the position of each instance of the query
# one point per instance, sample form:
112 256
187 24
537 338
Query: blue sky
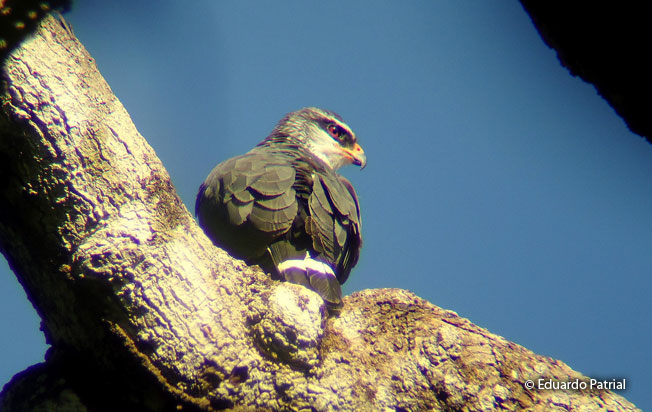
498 186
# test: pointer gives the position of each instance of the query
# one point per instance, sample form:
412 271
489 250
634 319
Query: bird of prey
283 206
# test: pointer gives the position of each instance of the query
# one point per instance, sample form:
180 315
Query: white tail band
305 264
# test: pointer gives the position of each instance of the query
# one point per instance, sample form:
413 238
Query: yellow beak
357 155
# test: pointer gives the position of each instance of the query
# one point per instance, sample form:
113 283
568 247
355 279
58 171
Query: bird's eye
334 131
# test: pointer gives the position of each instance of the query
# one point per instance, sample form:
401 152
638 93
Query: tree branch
141 309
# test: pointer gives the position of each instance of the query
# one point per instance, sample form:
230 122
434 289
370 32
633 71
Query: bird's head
324 134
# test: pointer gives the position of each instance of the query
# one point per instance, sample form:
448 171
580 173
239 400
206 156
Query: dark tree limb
607 45
142 310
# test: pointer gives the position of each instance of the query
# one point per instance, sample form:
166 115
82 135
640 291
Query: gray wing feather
247 201
249 205
334 222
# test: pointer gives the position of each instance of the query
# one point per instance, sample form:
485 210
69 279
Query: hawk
283 206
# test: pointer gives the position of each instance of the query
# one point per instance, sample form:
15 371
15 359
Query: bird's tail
313 274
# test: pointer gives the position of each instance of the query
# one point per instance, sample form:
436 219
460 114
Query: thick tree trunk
142 310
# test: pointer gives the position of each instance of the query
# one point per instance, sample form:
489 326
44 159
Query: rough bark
142 310
19 18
